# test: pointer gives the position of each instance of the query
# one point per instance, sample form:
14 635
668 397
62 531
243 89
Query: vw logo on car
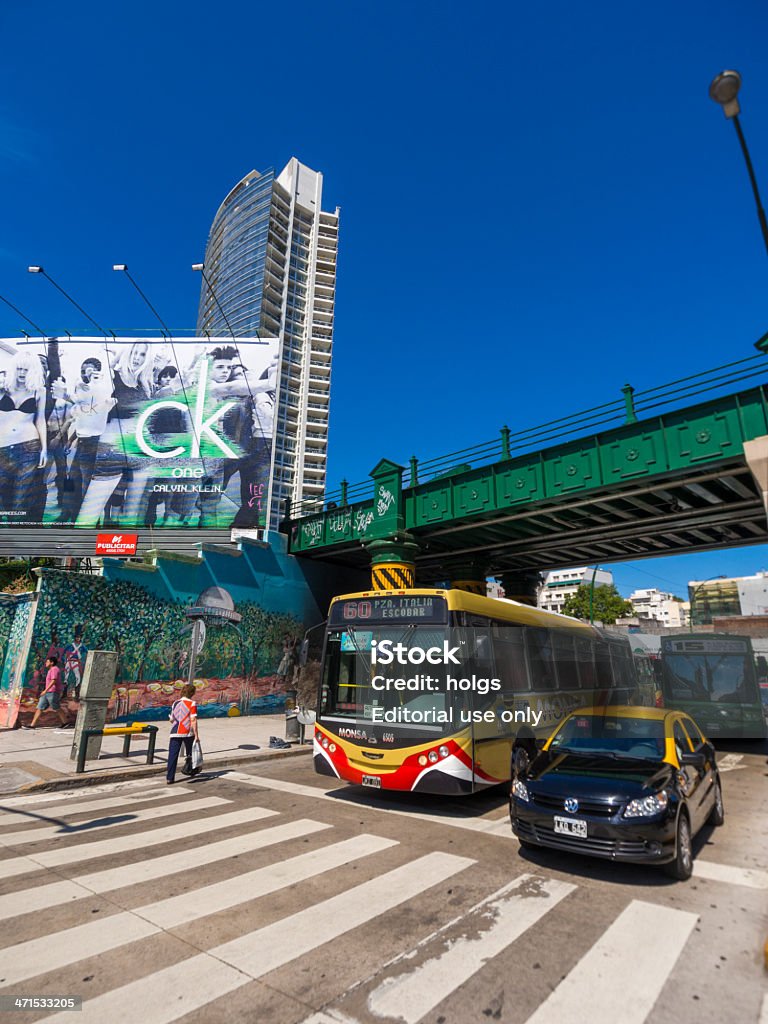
571 804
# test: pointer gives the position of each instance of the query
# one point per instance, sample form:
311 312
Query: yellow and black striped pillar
392 563
522 586
469 576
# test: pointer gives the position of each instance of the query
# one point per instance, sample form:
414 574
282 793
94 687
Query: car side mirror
696 758
520 763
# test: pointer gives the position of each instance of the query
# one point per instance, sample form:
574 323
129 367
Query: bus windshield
355 689
709 677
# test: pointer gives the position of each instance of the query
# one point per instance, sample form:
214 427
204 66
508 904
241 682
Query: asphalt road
273 895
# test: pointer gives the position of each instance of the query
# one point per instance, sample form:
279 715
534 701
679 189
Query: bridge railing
509 444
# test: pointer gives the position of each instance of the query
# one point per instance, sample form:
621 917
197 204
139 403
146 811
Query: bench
129 731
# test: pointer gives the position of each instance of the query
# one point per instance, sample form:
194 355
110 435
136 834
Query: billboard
128 433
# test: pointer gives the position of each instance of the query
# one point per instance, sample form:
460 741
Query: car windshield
611 735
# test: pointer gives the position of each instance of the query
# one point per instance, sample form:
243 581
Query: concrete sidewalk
39 759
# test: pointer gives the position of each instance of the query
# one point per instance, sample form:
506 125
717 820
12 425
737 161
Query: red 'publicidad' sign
116 543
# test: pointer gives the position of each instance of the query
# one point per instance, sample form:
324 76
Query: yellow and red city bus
458 734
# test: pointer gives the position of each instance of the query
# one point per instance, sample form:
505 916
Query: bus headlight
332 748
432 755
325 742
443 751
646 806
423 760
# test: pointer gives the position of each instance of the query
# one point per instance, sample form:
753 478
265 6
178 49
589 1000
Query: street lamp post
592 596
694 592
724 89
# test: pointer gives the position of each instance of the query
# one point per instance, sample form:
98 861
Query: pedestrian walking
51 695
183 731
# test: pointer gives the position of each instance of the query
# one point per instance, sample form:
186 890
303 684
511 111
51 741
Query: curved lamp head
724 89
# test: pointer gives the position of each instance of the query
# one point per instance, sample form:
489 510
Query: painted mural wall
138 610
16 619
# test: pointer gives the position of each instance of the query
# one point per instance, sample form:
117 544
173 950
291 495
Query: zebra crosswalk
153 920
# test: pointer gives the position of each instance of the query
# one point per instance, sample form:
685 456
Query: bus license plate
372 780
571 827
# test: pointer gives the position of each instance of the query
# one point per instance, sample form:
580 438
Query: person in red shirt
183 730
51 695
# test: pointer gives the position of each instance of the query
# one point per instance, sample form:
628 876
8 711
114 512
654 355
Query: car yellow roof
627 711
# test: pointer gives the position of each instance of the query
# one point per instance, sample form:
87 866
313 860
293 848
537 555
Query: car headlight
520 790
647 805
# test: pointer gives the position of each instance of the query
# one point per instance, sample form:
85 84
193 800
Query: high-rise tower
271 264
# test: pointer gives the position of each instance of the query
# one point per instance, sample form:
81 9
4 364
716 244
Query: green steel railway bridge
678 468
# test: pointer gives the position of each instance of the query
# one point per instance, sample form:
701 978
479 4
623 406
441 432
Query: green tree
607 605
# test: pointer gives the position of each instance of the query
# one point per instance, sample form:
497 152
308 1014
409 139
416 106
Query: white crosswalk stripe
42 897
56 813
129 789
503 917
43 833
629 974
105 847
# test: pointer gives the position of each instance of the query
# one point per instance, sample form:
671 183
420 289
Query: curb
128 775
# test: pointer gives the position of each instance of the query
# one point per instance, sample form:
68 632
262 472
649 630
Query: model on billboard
131 388
91 403
231 380
23 436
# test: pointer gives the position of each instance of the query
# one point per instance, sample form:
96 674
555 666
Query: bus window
510 658
603 667
623 670
538 643
730 679
565 663
586 664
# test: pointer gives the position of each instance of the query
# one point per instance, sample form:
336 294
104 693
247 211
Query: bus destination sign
390 608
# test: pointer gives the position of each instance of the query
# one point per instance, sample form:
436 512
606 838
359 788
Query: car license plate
571 827
374 781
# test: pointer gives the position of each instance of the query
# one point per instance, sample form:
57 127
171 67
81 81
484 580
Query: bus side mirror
483 647
304 652
520 763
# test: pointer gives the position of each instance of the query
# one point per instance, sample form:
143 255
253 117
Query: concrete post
521 585
756 455
95 691
469 576
393 562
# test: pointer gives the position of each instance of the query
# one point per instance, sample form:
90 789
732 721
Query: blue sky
538 202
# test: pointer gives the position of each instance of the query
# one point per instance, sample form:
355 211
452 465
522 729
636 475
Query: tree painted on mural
150 634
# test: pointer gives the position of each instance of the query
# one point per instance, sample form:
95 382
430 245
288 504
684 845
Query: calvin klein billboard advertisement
136 432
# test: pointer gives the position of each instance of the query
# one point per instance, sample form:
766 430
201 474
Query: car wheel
717 814
681 867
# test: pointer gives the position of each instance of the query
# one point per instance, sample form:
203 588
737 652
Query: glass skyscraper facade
271 264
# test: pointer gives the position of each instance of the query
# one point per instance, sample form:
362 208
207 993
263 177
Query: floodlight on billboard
137 432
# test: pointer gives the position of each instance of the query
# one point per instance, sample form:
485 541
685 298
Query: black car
624 783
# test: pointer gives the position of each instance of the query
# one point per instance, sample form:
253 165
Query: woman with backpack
183 730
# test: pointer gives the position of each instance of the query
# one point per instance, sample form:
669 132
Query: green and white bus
712 678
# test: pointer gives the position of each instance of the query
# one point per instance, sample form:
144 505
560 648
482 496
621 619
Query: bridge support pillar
756 455
521 585
393 565
469 576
